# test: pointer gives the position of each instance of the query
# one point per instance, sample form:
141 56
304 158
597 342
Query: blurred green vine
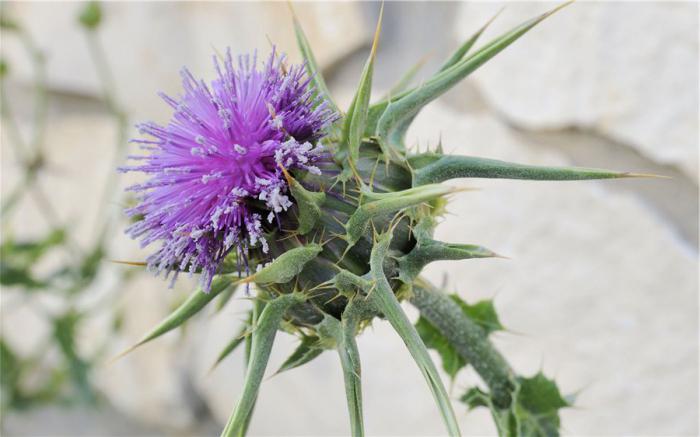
30 379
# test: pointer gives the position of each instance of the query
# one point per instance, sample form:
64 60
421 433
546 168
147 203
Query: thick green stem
384 300
468 339
262 339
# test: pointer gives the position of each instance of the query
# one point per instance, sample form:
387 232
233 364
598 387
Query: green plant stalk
343 332
261 344
258 306
384 300
468 339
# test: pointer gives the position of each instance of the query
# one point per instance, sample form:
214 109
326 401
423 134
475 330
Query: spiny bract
331 218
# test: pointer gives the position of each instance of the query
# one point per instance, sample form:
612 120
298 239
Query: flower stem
383 298
262 339
468 339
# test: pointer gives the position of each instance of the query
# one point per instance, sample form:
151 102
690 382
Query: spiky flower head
215 169
335 235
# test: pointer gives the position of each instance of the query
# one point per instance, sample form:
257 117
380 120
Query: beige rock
147 44
628 70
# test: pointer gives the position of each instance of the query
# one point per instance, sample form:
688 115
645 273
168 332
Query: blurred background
600 291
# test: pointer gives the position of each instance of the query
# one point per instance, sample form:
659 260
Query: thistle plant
325 219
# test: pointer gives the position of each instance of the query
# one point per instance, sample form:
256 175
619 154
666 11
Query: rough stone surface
164 37
628 70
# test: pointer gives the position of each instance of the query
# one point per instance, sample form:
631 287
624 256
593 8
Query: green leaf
534 411
225 296
312 67
429 250
444 167
406 107
194 303
308 204
307 350
386 203
384 300
538 405
234 343
467 45
395 137
475 397
262 339
7 23
452 362
286 266
64 333
405 80
28 252
91 15
356 119
90 265
10 375
14 276
482 313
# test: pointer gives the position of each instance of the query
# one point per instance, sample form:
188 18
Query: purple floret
222 149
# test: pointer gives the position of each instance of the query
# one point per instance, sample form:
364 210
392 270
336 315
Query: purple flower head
215 170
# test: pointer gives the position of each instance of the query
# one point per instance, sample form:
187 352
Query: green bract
353 247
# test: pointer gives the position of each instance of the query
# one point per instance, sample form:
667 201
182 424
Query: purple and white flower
222 152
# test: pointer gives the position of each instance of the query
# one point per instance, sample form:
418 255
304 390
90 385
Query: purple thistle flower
222 149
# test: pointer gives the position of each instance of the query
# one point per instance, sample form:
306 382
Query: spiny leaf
64 332
286 266
405 80
429 250
357 115
17 259
308 204
194 303
225 296
452 362
237 339
307 350
398 111
387 203
348 283
262 339
539 396
385 301
445 167
467 45
483 313
312 67
475 397
533 412
395 137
